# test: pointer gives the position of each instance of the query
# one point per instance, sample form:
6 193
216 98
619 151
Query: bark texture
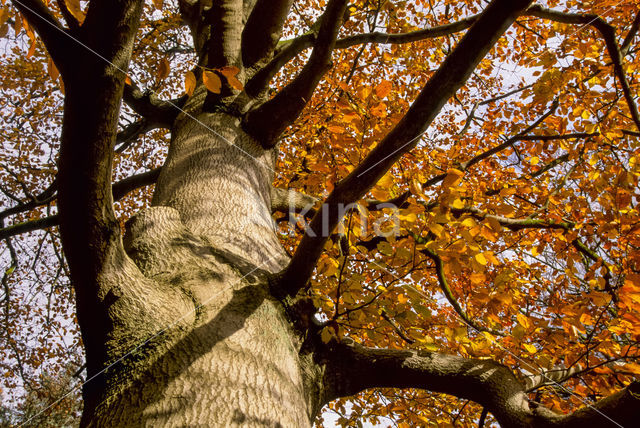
232 358
197 317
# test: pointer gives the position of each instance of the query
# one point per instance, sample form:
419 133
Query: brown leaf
163 69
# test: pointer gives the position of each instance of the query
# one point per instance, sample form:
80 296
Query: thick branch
223 47
156 111
451 75
288 200
267 122
53 35
263 30
353 368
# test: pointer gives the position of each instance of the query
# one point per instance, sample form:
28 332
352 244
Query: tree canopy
471 197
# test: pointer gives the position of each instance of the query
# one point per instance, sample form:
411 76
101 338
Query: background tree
491 148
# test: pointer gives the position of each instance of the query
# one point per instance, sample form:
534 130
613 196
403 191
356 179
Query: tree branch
450 76
158 112
608 34
353 368
28 226
129 134
410 37
55 38
120 189
223 47
287 200
71 21
263 30
444 286
289 49
267 122
626 43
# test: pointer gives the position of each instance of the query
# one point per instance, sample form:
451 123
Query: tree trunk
231 357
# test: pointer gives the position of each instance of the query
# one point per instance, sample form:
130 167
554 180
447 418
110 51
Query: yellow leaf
490 337
411 217
189 83
436 229
458 204
478 278
523 320
534 160
386 181
212 81
491 258
481 259
530 348
469 223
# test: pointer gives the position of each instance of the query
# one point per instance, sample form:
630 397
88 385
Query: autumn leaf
212 81
189 83
230 74
163 69
52 70
452 178
383 89
74 7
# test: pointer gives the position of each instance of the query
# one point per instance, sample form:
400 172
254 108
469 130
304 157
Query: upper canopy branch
267 122
291 48
354 368
225 22
608 33
450 76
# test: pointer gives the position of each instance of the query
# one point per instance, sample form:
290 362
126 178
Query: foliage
518 228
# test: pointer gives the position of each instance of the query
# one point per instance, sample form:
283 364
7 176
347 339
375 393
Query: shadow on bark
180 356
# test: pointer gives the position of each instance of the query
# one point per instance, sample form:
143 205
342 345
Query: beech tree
425 211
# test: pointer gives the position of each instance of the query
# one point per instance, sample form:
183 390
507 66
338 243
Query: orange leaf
74 7
452 178
52 70
212 81
383 89
189 83
230 74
